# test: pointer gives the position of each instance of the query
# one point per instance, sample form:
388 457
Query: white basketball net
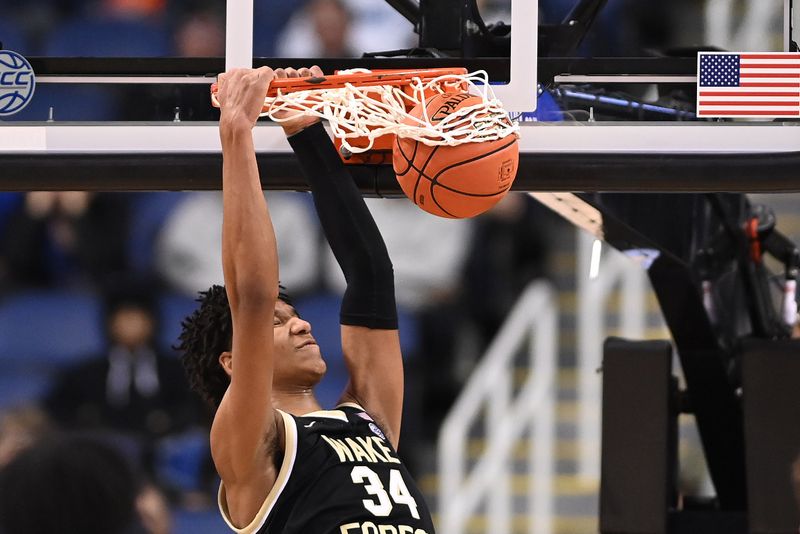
369 112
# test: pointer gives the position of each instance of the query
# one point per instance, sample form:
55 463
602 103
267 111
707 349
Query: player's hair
207 333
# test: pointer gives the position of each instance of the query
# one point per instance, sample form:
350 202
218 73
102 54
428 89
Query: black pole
409 9
584 13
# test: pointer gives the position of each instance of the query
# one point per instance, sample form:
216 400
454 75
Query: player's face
297 358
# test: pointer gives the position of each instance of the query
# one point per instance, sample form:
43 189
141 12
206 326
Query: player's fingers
232 78
250 78
305 72
221 88
235 74
316 71
280 73
264 73
222 80
291 73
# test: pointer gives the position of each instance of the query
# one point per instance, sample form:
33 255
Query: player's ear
226 361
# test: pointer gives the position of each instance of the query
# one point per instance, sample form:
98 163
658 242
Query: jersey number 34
381 505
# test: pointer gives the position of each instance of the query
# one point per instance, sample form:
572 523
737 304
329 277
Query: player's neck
296 401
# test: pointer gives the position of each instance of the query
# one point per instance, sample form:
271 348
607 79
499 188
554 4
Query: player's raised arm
245 419
368 315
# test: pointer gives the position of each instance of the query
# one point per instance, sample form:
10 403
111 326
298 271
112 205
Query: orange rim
391 77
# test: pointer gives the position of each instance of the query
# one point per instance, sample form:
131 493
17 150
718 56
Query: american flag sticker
764 85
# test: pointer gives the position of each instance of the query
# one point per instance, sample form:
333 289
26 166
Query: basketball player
286 465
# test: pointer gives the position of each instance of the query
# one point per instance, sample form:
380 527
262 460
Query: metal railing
615 271
533 323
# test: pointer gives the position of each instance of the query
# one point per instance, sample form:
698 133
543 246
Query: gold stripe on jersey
290 453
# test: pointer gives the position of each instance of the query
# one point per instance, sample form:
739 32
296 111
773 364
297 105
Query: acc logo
17 82
377 431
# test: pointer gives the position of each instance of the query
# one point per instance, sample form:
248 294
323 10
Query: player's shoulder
332 416
353 408
357 414
360 416
339 416
346 415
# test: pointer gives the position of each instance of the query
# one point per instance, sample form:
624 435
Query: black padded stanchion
639 437
771 395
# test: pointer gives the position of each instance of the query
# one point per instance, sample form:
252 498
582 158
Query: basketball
454 181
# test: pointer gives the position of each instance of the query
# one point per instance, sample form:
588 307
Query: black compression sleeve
351 232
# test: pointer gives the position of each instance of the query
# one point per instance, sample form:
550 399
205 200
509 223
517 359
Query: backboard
600 123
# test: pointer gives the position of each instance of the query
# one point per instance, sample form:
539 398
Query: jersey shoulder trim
351 405
289 456
331 414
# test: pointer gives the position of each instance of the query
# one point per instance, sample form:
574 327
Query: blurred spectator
19 428
376 26
132 388
70 485
153 510
26 426
132 9
189 247
329 21
752 25
339 28
65 239
201 33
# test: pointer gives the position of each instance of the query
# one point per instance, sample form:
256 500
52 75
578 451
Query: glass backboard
631 107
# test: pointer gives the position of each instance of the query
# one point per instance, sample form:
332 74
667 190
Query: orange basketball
454 181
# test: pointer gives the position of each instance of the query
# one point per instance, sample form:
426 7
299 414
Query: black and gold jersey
339 475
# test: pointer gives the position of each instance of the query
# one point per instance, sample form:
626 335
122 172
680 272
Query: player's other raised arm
245 417
370 340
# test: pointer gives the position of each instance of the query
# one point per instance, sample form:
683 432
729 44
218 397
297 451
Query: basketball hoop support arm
410 9
238 42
